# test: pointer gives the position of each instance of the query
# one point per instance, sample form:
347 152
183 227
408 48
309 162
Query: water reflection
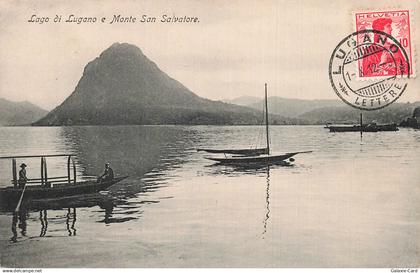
257 170
43 218
239 170
18 220
267 201
144 153
109 218
66 205
132 150
71 217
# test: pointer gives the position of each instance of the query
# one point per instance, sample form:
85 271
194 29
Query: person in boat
108 174
22 175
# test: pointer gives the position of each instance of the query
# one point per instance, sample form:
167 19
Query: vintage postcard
209 134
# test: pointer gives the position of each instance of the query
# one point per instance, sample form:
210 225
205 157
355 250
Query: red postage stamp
381 63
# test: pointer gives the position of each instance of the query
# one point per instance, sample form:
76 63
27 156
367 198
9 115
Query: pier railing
45 180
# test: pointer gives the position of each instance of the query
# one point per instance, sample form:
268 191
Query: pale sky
231 52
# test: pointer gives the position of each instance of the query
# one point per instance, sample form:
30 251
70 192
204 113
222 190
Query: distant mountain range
323 111
122 86
19 113
245 101
294 107
394 113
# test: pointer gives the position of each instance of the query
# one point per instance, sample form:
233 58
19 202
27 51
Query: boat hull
270 159
366 128
11 195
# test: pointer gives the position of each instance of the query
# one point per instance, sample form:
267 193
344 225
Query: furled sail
236 151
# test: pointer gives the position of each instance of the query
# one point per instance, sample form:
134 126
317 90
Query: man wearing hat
108 174
22 175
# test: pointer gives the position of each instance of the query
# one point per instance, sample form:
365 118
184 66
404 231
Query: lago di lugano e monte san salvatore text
114 19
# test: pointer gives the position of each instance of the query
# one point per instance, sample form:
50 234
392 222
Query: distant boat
370 127
252 156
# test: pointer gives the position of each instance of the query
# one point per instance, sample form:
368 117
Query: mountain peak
123 49
122 86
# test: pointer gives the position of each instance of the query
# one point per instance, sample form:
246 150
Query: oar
303 152
89 176
20 200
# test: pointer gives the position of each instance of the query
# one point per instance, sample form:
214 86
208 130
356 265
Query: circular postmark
369 69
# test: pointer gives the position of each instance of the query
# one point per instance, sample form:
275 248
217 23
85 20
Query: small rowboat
51 187
11 195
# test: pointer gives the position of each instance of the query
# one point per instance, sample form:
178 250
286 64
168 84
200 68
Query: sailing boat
252 156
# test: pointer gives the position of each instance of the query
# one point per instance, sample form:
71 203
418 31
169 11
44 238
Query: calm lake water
351 203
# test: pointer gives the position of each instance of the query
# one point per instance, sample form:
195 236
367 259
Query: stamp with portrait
395 23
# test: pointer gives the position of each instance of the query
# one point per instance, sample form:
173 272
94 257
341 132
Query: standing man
22 176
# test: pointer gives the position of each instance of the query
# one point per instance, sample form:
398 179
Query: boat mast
266 120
